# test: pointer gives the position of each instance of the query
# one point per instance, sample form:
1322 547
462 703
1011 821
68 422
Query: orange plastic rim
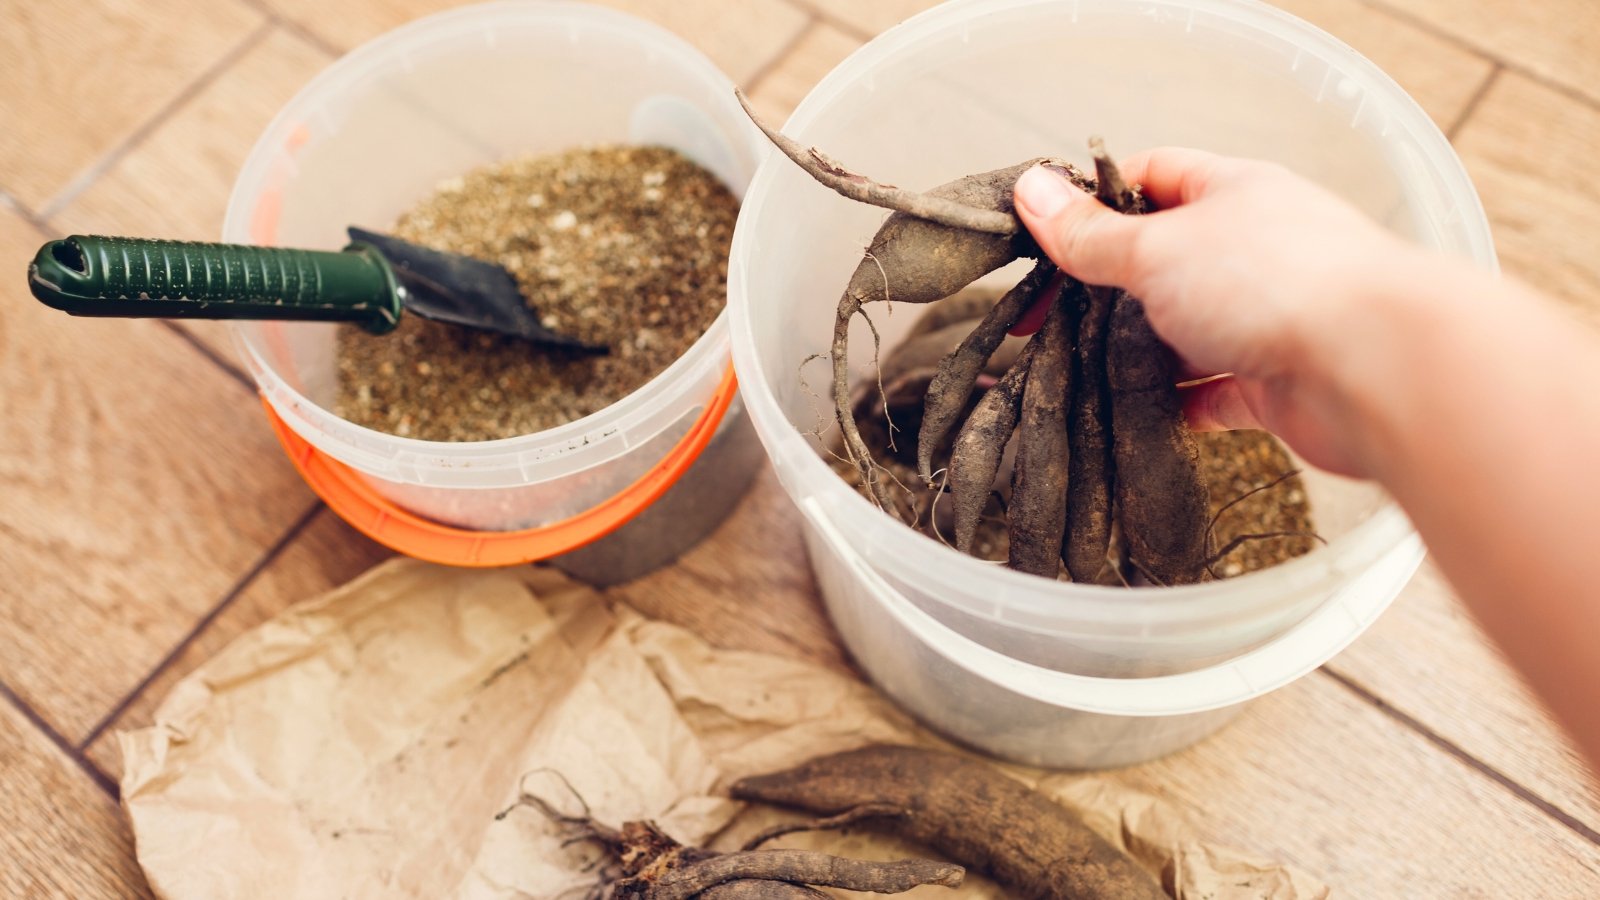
347 494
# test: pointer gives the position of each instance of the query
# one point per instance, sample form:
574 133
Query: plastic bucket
1036 671
381 128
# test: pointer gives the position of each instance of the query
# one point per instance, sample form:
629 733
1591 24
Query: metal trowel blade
460 290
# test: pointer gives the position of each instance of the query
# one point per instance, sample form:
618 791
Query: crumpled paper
361 744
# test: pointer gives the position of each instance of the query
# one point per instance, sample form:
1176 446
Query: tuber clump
1107 481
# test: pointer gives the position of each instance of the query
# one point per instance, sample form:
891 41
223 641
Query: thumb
1080 234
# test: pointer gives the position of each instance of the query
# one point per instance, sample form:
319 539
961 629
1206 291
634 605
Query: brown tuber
958 372
1159 491
975 460
1038 513
969 812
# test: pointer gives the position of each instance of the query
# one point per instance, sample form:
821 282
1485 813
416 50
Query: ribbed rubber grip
128 277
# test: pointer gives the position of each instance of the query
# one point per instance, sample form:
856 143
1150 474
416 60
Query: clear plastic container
383 127
1036 671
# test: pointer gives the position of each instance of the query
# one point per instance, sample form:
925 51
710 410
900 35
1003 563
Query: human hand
1246 269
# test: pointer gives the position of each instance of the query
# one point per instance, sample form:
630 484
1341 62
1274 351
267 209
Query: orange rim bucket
348 495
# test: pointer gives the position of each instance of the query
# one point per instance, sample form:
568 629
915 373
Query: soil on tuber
968 811
1107 481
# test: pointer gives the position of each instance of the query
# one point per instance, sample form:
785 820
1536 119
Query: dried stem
1110 187
859 187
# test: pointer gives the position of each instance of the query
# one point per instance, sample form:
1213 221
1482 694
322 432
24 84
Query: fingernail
1043 193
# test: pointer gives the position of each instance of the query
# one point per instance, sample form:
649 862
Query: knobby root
805 867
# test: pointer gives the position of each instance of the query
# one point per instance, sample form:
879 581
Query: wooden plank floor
148 517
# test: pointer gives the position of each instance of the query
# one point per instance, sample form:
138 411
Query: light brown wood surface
148 517
1552 40
139 487
63 836
92 75
1531 151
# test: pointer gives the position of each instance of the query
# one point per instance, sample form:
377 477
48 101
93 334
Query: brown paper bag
361 744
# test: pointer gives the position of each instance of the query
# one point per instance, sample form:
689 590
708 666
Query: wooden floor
147 516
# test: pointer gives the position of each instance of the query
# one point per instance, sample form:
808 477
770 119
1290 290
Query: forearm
1482 407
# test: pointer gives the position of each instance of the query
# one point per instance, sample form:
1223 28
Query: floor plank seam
221 606
207 351
1428 27
9 201
101 779
753 83
1476 100
1517 789
822 15
82 181
294 27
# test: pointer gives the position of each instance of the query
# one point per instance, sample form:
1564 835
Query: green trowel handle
132 278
